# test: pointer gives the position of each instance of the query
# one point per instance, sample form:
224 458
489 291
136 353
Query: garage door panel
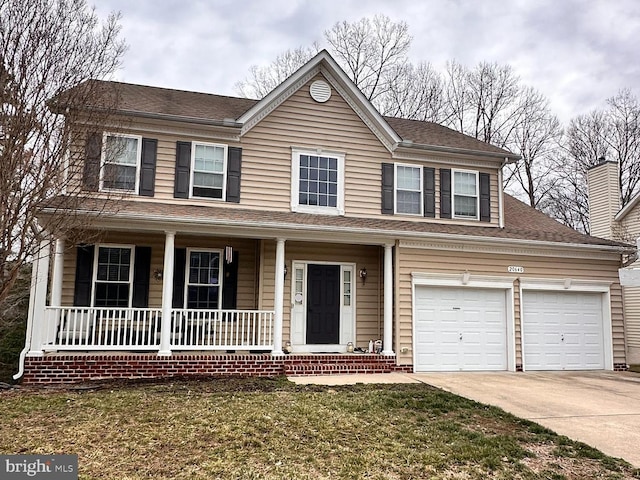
467 328
563 331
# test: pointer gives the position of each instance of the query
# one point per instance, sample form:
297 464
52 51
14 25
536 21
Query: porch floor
96 366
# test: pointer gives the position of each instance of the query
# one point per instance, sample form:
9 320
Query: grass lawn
273 429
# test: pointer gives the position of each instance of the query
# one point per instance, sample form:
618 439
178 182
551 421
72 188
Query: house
608 220
308 223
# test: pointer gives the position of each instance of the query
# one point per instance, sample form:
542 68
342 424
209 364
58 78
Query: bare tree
262 80
368 50
623 141
457 95
612 133
536 138
415 92
48 52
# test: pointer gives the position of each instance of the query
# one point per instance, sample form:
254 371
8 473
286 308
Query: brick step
336 368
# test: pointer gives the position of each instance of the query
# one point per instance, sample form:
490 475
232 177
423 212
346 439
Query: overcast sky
577 52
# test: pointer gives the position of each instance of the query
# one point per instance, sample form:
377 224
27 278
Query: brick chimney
604 198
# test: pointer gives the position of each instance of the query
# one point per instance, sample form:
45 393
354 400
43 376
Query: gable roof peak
323 63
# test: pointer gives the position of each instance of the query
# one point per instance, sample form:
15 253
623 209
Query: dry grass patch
264 429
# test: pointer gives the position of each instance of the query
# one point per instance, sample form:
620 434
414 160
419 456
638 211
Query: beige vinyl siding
302 122
632 323
247 279
604 200
368 298
431 261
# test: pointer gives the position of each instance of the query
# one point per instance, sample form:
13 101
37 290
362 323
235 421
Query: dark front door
323 304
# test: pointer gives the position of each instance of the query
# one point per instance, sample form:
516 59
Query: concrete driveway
601 409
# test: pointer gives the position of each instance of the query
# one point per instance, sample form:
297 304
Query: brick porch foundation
65 368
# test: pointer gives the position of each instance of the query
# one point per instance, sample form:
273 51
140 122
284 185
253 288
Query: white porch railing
105 328
102 328
222 329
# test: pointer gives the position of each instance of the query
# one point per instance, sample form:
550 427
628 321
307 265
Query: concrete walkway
601 409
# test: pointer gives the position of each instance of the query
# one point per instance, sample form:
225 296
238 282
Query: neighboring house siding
629 232
454 262
368 296
604 201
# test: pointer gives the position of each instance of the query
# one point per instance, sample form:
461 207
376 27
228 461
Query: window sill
317 210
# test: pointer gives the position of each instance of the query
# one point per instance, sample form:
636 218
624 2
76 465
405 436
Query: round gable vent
320 91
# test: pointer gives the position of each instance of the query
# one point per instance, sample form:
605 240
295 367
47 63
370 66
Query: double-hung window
317 182
204 279
121 162
465 194
408 189
209 166
113 276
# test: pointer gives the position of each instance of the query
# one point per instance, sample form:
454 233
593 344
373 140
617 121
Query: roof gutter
508 158
227 122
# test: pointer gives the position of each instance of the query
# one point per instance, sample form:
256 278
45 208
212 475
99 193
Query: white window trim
103 160
186 275
132 263
453 194
224 170
295 182
395 189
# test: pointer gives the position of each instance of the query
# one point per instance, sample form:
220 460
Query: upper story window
209 167
465 194
317 182
113 276
121 162
408 189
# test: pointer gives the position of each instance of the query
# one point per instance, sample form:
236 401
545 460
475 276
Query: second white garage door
460 329
562 331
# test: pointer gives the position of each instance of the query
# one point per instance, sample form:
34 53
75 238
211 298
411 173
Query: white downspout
37 264
500 194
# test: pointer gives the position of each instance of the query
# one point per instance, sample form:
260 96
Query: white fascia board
627 208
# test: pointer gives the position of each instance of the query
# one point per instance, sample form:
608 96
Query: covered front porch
263 288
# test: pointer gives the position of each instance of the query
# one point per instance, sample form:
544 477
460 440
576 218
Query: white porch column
167 294
387 339
58 269
279 300
38 300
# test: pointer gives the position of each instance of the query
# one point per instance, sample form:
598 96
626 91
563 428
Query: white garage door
460 329
562 331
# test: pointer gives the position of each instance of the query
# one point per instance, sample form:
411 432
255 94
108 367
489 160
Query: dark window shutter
230 283
141 276
84 276
445 193
429 191
485 197
179 265
183 170
387 188
234 162
93 152
148 167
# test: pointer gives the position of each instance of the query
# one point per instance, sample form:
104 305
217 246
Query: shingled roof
521 221
145 100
